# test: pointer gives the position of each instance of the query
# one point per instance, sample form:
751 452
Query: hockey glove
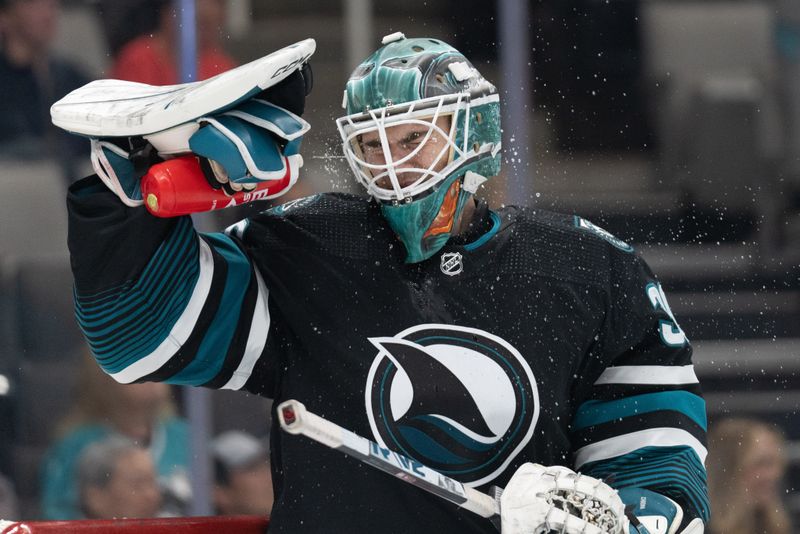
121 162
238 149
539 498
654 513
251 143
240 130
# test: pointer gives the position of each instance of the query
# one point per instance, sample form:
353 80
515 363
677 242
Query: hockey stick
569 504
295 419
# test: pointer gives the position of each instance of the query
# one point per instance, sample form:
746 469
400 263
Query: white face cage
389 180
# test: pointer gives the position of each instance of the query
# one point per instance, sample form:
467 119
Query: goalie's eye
371 145
413 138
372 148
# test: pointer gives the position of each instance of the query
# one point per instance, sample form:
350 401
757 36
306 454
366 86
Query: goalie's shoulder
571 228
566 246
333 223
328 206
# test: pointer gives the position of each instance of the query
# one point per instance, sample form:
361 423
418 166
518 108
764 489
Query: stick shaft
295 419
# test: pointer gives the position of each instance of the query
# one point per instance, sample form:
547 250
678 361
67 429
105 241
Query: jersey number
671 334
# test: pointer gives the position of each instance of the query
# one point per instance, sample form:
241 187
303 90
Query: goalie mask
421 134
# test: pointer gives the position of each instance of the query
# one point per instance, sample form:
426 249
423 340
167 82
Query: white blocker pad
116 108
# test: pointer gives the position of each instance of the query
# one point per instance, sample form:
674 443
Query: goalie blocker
243 126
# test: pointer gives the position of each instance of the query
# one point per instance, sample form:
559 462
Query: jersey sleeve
642 421
158 301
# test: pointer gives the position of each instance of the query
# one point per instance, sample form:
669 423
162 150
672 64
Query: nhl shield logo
452 263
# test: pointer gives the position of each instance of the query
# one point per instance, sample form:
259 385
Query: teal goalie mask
421 134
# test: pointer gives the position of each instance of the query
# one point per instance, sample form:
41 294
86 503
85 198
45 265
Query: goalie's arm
642 422
159 302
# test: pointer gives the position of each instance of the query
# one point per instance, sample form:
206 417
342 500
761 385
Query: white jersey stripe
648 374
256 340
181 330
653 437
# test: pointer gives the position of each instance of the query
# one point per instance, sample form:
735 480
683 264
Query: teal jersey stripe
149 313
676 472
180 282
150 293
105 296
148 335
182 233
488 235
212 351
690 491
153 315
595 412
668 473
147 288
168 259
136 344
123 327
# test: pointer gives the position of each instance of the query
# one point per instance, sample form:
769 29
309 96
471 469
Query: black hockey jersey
533 337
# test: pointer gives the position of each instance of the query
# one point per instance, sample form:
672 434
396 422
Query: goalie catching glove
198 146
541 499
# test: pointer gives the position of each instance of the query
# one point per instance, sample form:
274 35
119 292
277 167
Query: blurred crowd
142 37
746 468
123 450
33 77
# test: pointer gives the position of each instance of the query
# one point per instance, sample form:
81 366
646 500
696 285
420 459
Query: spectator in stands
746 465
242 477
31 79
8 500
152 58
116 478
142 413
125 20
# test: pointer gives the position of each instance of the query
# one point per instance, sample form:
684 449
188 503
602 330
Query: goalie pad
115 108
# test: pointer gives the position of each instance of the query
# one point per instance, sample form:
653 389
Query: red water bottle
178 187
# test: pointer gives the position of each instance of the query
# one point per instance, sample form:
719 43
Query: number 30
671 334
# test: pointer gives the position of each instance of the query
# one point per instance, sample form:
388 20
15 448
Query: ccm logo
291 66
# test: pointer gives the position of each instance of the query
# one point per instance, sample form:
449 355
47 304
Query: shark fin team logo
459 400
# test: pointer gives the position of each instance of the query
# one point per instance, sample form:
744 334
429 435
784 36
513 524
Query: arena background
670 123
